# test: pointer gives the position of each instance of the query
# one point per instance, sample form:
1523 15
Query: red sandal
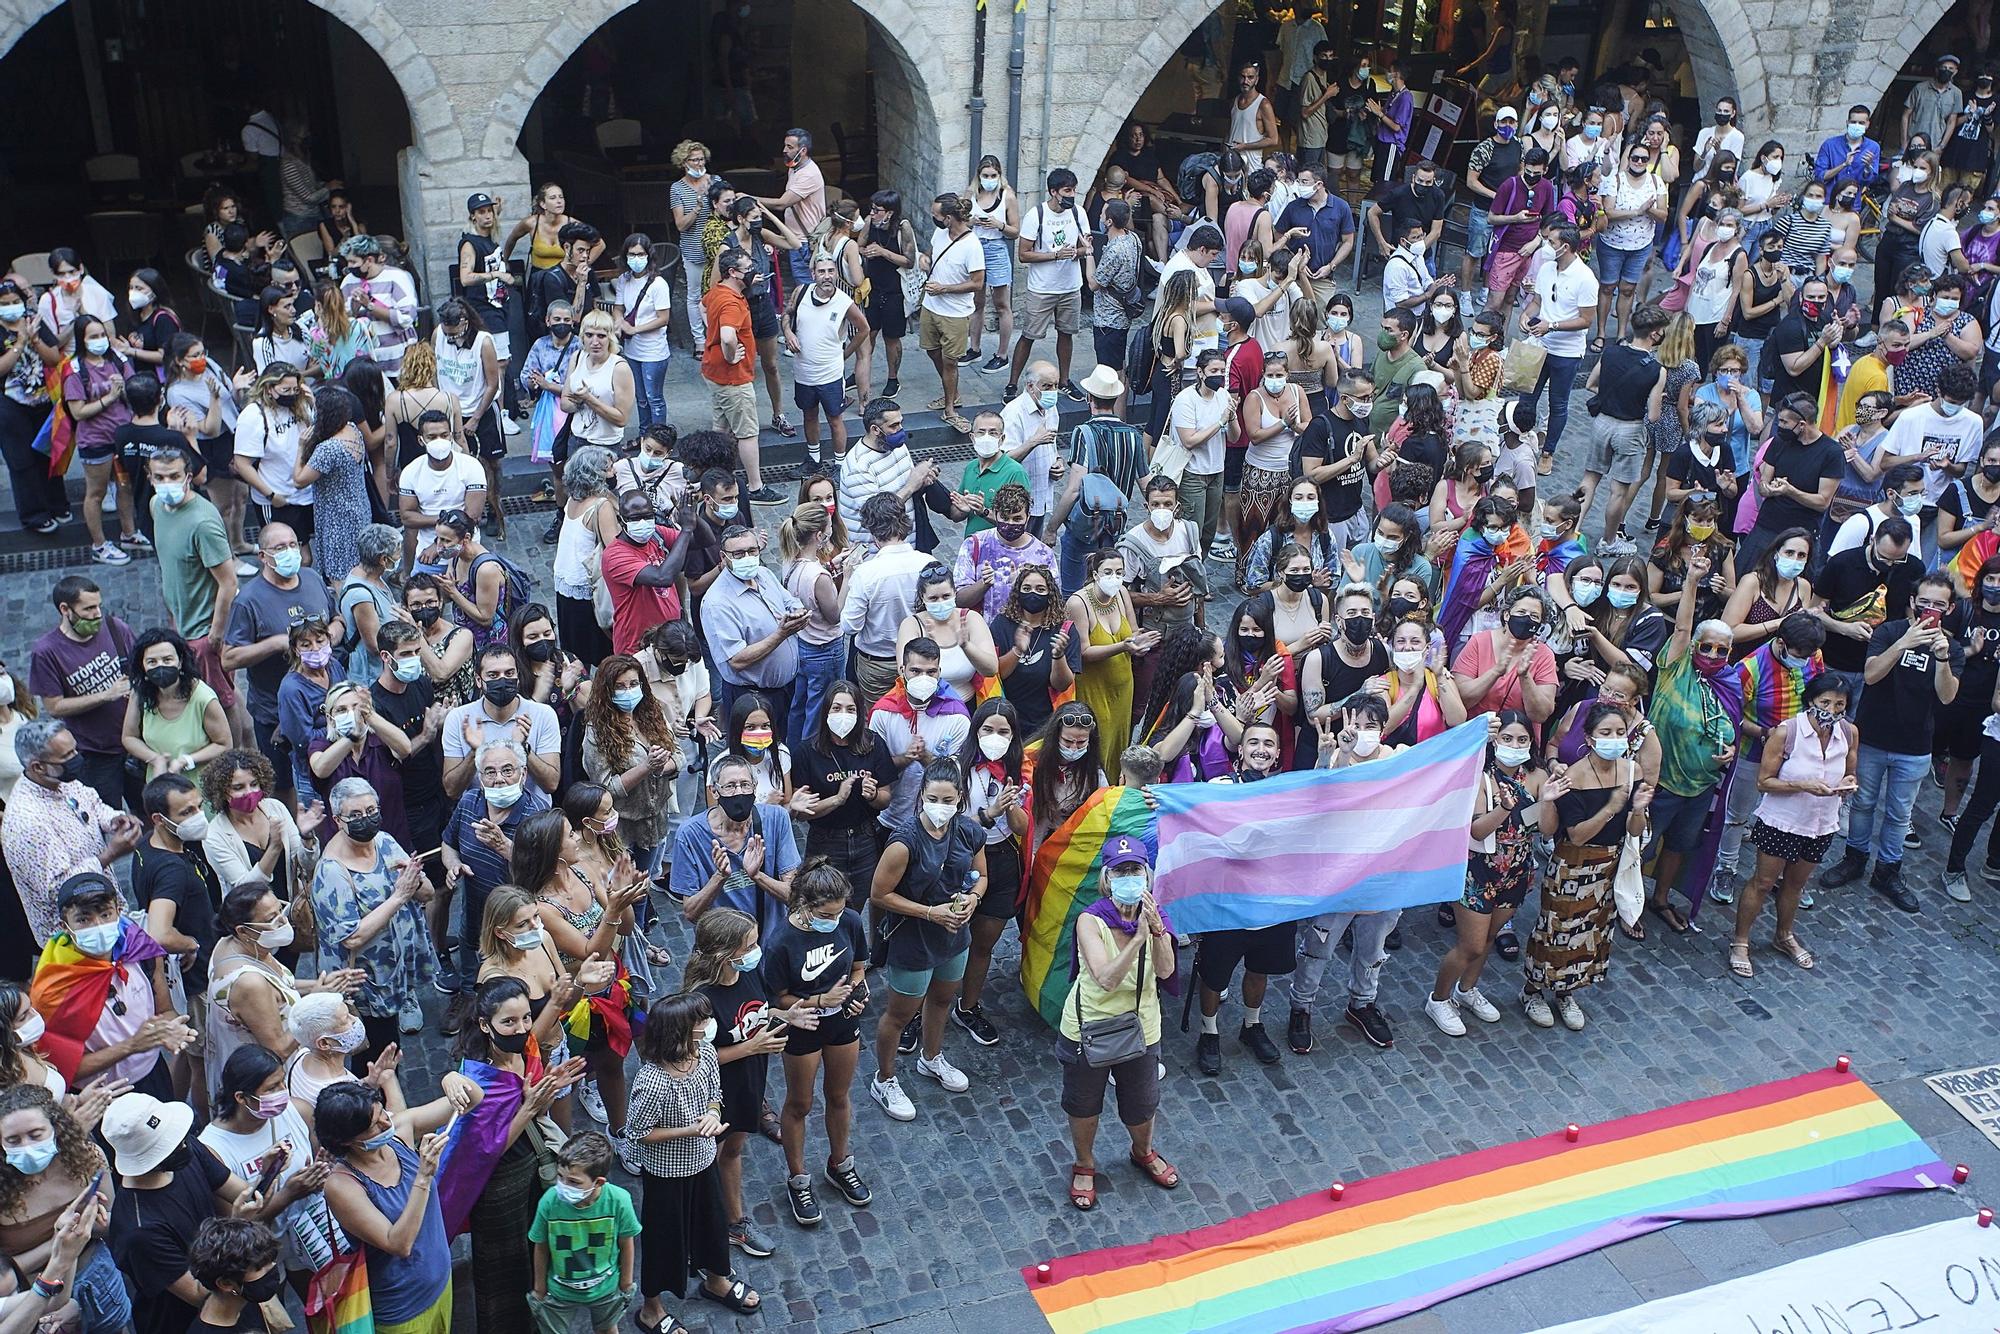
1085 1198
1161 1171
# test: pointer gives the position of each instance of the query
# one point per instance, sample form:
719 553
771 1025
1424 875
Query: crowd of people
695 795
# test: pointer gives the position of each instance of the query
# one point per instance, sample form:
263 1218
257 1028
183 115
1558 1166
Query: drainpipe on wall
1017 64
977 106
1048 96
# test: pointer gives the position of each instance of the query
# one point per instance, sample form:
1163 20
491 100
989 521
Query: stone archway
911 148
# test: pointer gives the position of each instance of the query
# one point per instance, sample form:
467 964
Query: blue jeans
1887 789
1559 377
819 667
1072 567
651 377
100 1290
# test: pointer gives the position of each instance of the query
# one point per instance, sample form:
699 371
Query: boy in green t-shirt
583 1234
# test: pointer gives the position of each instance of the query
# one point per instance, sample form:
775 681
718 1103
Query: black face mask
1356 629
1034 603
69 771
361 828
501 693
427 615
675 668
1990 471
1298 583
1715 439
540 651
265 1288
1215 381
1400 607
1253 645
163 678
176 1160
1484 476
738 805
512 1043
1522 626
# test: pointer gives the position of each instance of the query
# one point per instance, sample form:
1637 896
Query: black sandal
736 1298
1676 920
668 1325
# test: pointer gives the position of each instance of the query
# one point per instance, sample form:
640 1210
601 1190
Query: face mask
1034 603
651 463
98 941
1125 890
1407 659
1895 356
1416 247
406 670
1708 664
1206 718
1494 536
381 1141
1504 133
270 1105
1987 217
574 1194
504 795
1700 532
163 678
1906 173
1725 233
1811 309
1522 626
738 805
97 347
1513 757
1337 323
1402 606
1586 591
994 746
1622 598
1362 73
1048 398
197 365
1213 382
1010 532
641 530
438 447
1812 205
1856 131
727 511
1549 120
989 182
1161 518
1305 510
286 562
1990 471
939 608
193 829
246 802
361 828
1274 385
825 926
921 688
1593 132
636 263
277 937
1107 586
350 1039
1789 567
627 699
1298 583
559 332
986 446
501 693
33 1159
10 313
1367 741
1608 747
1071 754
1945 305
344 725
30 1030
842 723
1386 340
1478 342
512 1043
1247 267
939 813
1910 504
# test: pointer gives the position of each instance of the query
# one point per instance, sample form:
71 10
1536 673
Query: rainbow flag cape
1409 1240
1063 882
1390 833
478 1138
70 988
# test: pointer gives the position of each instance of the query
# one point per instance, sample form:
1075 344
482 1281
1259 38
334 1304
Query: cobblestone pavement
973 1189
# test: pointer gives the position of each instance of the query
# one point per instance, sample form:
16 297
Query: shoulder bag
1119 1038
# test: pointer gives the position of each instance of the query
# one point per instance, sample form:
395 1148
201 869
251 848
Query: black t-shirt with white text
824 774
806 963
1898 711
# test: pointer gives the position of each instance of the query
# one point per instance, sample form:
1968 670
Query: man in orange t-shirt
728 361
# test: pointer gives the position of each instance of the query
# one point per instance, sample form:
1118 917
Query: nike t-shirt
804 963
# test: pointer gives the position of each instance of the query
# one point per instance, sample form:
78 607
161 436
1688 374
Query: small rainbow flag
1388 833
1406 1241
1063 882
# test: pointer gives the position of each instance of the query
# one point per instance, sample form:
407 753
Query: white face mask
939 813
439 448
842 723
138 298
29 1031
277 937
920 688
1107 585
986 446
1367 741
1725 233
1549 119
994 746
1161 517
1407 659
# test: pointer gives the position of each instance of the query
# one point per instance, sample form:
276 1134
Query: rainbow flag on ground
1406 1241
1063 882
1389 833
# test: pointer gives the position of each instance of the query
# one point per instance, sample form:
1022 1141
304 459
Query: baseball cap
1124 850
142 1131
475 202
1506 113
1240 312
85 884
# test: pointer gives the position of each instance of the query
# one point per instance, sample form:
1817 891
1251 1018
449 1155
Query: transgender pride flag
1387 833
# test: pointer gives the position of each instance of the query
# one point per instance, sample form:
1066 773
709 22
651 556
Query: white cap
1506 113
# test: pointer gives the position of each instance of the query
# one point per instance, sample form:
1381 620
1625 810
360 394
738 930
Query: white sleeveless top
461 371
1243 129
575 544
587 425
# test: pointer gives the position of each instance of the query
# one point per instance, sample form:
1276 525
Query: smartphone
267 1176
96 1182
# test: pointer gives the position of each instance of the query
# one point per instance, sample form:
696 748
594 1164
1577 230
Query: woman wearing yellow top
1102 611
173 720
545 251
1112 937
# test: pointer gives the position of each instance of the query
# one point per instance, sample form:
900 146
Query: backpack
1187 181
1097 520
517 584
1141 358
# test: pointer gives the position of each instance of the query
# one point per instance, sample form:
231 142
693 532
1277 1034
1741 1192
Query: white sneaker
1445 1015
1955 887
1478 1004
1571 1012
592 1102
508 426
109 554
109 505
1536 1005
628 1155
944 1072
894 1101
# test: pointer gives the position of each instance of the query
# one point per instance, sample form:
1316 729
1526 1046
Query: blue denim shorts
1620 266
1478 233
812 396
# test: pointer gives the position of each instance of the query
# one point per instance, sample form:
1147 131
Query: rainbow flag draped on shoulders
71 988
1063 882
478 1138
1388 833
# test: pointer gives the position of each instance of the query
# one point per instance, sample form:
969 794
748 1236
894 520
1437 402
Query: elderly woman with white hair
1697 708
327 1032
368 896
589 520
367 603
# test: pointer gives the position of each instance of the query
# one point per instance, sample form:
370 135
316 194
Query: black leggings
1978 809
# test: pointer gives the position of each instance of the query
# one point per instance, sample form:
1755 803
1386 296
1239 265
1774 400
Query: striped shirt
1807 238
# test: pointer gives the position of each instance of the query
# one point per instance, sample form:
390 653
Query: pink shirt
1477 657
1805 759
126 1010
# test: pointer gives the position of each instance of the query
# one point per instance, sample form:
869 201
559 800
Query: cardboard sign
1975 1094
